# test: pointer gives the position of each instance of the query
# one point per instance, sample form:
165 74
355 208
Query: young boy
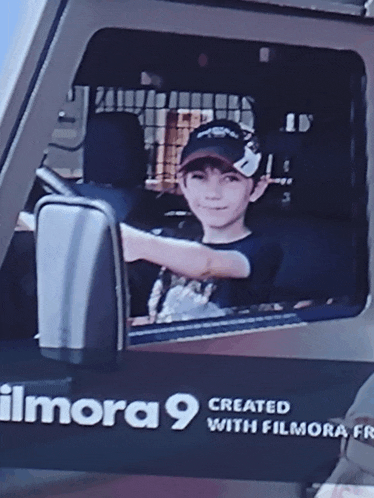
231 267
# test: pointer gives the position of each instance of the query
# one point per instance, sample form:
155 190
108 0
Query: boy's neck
225 235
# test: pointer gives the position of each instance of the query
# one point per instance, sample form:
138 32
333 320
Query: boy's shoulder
260 249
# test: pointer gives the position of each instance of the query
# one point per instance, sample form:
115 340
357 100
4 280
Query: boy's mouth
214 208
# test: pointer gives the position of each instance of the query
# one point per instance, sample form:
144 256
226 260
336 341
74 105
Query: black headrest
277 142
114 150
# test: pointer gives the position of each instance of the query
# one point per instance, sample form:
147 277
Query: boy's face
218 199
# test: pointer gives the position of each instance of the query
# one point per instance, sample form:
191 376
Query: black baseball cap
224 140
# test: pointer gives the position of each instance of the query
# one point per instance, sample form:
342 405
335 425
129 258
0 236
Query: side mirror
80 280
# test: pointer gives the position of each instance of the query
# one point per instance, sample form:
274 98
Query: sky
9 15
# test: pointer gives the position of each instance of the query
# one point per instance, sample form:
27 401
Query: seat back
114 150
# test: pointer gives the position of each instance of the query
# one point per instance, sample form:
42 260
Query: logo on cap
218 132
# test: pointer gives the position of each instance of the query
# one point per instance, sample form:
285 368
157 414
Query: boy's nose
213 190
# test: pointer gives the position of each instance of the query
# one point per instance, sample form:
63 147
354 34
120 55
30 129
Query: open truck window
137 97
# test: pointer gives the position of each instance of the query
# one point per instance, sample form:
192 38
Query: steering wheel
52 183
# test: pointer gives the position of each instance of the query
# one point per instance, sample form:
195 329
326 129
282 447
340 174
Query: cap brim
206 154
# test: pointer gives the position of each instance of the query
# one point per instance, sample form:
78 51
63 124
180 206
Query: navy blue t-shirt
175 297
264 256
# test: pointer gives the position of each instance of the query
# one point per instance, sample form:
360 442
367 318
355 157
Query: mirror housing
80 280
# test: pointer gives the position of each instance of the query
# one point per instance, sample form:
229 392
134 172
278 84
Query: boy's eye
231 178
198 176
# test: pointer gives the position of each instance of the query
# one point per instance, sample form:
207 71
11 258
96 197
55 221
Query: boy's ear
259 188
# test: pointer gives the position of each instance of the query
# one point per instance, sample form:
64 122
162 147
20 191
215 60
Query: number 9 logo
182 407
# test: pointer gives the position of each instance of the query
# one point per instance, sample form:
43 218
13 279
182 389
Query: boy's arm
187 258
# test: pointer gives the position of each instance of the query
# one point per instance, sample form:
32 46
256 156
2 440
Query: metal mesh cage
168 118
